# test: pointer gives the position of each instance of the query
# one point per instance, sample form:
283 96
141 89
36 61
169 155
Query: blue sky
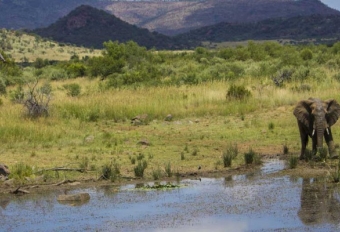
335 4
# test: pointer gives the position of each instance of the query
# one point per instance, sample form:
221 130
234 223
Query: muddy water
254 202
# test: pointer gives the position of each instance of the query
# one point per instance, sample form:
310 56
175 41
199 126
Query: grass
28 48
59 139
293 161
204 121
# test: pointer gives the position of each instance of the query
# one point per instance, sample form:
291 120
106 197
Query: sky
335 4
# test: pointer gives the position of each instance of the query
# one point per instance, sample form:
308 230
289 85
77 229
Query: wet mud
257 201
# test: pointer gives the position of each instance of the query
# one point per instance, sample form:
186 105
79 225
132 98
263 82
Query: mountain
169 17
297 28
90 27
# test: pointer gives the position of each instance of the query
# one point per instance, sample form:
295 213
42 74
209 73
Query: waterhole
252 202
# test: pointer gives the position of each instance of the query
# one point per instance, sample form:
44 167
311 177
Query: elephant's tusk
313 132
327 131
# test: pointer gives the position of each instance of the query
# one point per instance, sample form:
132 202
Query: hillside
90 27
166 17
297 28
171 18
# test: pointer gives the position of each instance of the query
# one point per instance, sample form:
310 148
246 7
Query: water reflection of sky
237 203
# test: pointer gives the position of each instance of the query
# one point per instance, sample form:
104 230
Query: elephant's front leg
330 143
304 142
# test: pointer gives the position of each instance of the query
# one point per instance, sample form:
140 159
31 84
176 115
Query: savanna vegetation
228 108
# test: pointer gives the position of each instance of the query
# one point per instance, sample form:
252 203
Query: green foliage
157 174
40 63
293 162
17 95
271 126
76 70
73 89
168 170
249 157
285 149
306 54
229 154
110 171
238 92
139 169
2 86
20 171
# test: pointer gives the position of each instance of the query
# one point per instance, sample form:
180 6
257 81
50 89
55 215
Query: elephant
315 118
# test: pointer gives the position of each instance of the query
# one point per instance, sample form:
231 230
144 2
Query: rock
82 197
4 170
89 139
139 120
168 118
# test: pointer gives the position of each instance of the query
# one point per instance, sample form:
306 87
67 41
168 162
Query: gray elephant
315 118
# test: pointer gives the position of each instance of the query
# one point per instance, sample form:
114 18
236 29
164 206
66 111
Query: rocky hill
166 17
90 27
296 28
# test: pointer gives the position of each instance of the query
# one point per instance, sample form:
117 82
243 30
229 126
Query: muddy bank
304 170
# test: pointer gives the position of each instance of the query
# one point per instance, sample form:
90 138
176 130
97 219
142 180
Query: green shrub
157 174
229 154
168 170
271 126
17 95
56 74
20 171
293 162
73 89
306 54
285 149
249 157
238 92
139 169
2 86
110 171
182 156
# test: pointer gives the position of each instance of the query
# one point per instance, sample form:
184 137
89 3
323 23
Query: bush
229 154
249 157
157 174
139 169
110 171
20 171
238 92
73 89
168 170
293 161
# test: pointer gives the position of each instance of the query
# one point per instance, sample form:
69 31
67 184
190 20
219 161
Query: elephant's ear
333 111
303 111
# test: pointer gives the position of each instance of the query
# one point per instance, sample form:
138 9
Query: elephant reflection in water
319 204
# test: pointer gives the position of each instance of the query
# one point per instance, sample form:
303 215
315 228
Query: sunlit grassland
27 48
96 125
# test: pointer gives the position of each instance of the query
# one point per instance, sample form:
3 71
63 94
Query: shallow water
255 202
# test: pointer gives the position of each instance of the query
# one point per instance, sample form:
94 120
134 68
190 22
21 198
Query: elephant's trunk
320 130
